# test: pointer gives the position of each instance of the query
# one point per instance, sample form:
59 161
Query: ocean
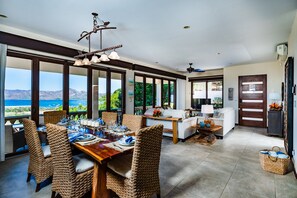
43 103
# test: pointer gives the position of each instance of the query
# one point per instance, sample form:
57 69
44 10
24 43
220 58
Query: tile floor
228 169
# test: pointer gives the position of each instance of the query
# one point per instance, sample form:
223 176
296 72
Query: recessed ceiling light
3 16
187 27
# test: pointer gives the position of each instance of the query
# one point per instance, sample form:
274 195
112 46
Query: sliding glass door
18 101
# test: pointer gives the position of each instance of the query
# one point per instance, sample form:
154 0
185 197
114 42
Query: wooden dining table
102 155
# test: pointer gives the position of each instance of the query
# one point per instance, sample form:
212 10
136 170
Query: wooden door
252 100
288 105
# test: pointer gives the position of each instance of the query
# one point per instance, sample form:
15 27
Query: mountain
44 95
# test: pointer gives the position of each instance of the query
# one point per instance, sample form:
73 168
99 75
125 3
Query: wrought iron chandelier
98 26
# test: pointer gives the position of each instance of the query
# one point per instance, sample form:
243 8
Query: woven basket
274 164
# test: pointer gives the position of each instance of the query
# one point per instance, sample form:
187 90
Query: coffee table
209 131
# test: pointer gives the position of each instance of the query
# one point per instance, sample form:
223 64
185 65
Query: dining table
102 154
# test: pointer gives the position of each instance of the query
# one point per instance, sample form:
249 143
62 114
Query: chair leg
38 187
53 194
158 195
28 177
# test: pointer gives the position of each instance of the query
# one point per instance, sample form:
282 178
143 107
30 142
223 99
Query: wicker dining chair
72 174
133 122
53 116
41 162
108 117
137 175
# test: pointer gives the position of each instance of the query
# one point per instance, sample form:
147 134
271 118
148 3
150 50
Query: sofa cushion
82 163
150 112
175 113
121 165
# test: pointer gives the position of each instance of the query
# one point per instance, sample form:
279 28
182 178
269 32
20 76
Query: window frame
35 69
206 80
154 78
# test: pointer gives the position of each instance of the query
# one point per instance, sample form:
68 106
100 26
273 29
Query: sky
21 79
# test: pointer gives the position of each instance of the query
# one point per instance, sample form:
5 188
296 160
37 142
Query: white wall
273 70
196 74
129 87
292 44
181 92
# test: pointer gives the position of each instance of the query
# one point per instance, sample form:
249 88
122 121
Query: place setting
123 144
84 139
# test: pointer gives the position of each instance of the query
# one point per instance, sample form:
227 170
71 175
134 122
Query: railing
13 119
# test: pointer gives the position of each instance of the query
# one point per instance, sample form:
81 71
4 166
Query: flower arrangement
157 113
275 107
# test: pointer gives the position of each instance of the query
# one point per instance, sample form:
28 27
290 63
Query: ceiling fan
191 69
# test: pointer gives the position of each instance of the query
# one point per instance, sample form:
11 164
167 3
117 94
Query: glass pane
102 91
18 87
78 89
172 93
158 92
199 94
116 91
215 93
199 90
138 95
51 87
17 102
165 93
149 93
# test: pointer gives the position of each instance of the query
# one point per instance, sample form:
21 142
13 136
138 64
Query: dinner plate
122 142
85 138
120 130
62 123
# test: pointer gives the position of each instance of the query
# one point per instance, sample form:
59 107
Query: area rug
206 140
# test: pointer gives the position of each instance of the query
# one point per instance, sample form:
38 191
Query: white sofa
184 126
226 118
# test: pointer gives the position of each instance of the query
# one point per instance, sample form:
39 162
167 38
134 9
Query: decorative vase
202 125
207 125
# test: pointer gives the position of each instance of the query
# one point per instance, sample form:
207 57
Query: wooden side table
210 130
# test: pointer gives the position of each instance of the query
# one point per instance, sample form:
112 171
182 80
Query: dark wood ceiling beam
157 71
28 43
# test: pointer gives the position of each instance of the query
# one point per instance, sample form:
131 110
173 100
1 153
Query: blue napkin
73 136
64 120
101 122
129 140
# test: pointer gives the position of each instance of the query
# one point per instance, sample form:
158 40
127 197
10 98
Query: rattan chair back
53 116
109 117
133 122
39 166
146 159
32 139
61 152
66 181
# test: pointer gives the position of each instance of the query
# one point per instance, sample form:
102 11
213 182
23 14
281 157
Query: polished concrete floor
229 168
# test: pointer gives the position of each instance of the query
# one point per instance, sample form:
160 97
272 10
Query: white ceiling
242 31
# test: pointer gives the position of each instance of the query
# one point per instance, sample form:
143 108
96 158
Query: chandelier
98 26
